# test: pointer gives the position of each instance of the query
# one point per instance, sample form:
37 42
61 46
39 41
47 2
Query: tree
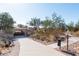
76 26
47 22
20 26
35 22
58 22
71 26
6 22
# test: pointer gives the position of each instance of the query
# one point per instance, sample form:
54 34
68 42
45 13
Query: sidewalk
29 47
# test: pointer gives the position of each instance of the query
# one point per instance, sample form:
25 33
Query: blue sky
22 13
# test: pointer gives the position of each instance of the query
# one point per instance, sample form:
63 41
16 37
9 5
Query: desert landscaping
49 35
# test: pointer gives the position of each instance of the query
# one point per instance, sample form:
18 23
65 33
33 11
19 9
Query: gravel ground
73 49
13 51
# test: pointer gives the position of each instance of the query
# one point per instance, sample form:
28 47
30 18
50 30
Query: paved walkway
29 47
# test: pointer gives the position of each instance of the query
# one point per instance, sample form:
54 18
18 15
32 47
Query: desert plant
5 42
58 22
35 22
47 22
6 39
47 34
71 26
20 26
6 22
76 26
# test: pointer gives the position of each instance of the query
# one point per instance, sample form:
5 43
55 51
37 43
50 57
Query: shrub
6 39
76 33
48 35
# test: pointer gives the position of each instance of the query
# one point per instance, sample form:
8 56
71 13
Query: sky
22 13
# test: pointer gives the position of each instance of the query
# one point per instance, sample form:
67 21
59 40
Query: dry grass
47 35
76 33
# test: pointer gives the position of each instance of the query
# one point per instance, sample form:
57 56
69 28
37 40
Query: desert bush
6 40
48 35
76 33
